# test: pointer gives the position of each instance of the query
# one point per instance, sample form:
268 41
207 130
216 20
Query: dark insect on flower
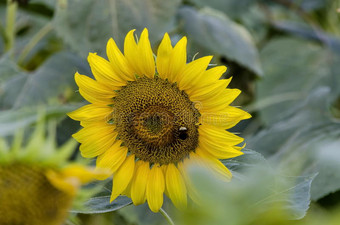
183 133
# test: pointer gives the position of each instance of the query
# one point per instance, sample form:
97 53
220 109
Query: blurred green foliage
283 54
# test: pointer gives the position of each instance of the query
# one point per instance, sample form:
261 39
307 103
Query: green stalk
34 41
11 12
166 216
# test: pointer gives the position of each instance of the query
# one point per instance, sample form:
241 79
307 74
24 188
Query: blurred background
283 54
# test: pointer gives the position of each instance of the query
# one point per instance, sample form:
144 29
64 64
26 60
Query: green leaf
248 160
294 101
311 5
8 69
10 90
308 32
11 76
49 3
328 165
87 26
283 133
310 137
292 192
260 193
216 32
53 83
142 215
288 81
27 26
296 196
102 205
232 8
13 120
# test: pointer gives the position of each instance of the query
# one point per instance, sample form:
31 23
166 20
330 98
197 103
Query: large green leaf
306 142
52 83
216 32
49 3
88 25
27 26
293 68
308 32
294 101
328 165
10 90
253 198
142 215
247 161
13 120
9 73
8 68
293 192
49 88
232 8
102 204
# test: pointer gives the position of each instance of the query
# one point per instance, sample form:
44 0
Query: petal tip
145 31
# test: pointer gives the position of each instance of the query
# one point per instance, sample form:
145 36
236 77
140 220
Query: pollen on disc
150 115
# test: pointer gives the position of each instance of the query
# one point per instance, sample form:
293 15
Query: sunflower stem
166 216
11 12
34 41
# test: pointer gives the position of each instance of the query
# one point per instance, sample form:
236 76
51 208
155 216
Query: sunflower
38 185
148 118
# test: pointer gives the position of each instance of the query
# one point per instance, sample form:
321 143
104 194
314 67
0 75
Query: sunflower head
37 185
149 117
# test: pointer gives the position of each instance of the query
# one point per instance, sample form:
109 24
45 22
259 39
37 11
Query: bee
183 133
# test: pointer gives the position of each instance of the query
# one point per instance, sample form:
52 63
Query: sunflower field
148 112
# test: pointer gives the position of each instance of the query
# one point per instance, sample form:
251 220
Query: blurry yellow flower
37 185
148 118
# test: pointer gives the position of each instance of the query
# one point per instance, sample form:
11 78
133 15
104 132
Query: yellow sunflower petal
214 164
217 151
131 52
93 91
214 73
209 91
103 71
96 147
221 100
146 60
192 192
65 184
92 112
164 168
118 62
95 139
155 188
111 159
178 59
163 56
176 187
192 72
127 191
122 177
93 129
219 135
225 118
83 174
138 185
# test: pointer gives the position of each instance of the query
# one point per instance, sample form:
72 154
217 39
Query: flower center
27 197
156 121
